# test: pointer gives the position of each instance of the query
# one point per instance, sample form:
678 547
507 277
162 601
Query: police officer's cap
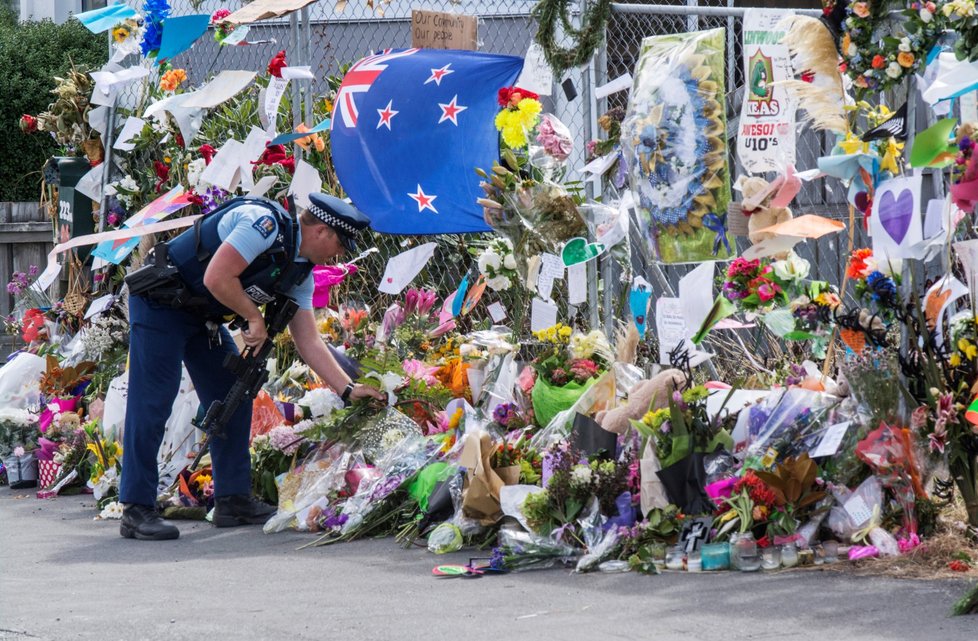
343 217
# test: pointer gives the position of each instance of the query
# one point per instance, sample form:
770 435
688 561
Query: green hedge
31 54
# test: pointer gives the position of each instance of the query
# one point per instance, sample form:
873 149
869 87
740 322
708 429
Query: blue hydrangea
156 12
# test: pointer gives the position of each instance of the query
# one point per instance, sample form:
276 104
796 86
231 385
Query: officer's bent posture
239 257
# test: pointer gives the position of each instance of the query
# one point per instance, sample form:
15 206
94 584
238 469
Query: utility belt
160 282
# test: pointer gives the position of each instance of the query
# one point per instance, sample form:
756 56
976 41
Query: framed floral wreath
882 45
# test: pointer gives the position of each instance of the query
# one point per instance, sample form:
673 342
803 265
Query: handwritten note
497 312
577 283
543 314
536 75
831 440
670 324
551 269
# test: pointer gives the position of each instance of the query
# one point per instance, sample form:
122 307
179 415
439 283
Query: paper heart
578 250
896 214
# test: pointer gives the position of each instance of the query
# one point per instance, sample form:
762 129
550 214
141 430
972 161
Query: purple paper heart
896 214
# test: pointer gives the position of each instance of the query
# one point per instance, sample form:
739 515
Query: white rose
904 44
894 70
509 262
852 50
926 16
499 283
489 261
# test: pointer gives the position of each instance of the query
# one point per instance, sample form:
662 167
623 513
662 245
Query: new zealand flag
409 128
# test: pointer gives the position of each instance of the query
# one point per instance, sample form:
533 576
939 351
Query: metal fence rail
327 39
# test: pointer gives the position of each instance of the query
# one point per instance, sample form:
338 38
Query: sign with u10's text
766 131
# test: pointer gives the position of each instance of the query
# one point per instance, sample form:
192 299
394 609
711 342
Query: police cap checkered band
331 220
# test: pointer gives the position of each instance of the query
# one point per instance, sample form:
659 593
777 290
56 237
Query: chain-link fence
329 36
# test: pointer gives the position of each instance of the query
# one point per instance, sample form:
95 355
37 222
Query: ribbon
50 273
718 225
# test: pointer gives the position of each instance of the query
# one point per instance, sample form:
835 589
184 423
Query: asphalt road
65 576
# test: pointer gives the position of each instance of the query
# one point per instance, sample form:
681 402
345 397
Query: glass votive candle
675 558
831 551
716 556
694 562
771 558
789 555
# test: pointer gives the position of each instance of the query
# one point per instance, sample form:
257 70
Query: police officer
232 261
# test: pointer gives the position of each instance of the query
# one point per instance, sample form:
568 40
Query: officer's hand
255 333
365 391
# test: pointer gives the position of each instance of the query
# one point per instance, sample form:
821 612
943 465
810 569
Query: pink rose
555 138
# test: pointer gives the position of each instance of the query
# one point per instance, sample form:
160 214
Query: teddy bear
653 393
761 215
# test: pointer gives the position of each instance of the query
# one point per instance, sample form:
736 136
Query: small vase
789 555
745 551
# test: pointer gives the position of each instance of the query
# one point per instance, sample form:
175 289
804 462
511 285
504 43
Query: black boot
240 509
145 523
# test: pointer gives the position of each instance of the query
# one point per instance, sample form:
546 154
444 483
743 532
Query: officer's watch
345 396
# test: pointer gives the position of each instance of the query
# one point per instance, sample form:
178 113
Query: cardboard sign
438 30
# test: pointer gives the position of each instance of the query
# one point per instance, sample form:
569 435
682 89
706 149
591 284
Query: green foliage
31 54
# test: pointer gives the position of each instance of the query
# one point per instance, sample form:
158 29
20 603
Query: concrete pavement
65 576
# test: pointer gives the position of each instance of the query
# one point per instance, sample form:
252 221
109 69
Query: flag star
424 200
385 116
438 74
451 111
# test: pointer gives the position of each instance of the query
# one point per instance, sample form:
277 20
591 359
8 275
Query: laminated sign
766 140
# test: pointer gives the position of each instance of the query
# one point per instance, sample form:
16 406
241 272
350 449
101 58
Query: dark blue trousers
160 340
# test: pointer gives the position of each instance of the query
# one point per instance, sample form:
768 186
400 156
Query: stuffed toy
653 393
761 215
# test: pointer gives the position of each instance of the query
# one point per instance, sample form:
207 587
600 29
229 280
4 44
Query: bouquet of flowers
497 263
752 285
569 365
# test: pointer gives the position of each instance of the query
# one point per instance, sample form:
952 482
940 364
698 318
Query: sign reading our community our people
438 30
766 136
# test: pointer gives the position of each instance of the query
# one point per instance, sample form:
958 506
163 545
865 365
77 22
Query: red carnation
162 174
208 153
277 63
28 124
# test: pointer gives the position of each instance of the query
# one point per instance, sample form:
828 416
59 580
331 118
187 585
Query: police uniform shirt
251 230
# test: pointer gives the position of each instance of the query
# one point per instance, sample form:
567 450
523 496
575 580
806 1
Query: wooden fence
25 239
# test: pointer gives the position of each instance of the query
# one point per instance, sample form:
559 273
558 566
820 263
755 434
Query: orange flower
172 79
861 9
858 266
312 139
846 41
879 62
906 59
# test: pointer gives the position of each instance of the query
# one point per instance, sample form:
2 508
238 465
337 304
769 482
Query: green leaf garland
586 40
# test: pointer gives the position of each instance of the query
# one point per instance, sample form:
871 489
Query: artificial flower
172 79
906 59
894 70
276 64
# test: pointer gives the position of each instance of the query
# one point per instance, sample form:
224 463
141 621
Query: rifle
251 373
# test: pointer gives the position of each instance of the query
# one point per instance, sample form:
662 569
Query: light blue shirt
251 230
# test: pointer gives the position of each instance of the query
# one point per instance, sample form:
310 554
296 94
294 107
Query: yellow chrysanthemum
529 112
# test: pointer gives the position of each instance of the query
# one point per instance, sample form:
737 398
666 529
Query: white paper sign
262 186
225 168
129 130
91 183
577 284
551 269
222 88
696 296
273 97
859 512
297 73
599 165
831 440
99 305
543 314
766 130
404 267
895 223
497 312
536 75
670 326
305 181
